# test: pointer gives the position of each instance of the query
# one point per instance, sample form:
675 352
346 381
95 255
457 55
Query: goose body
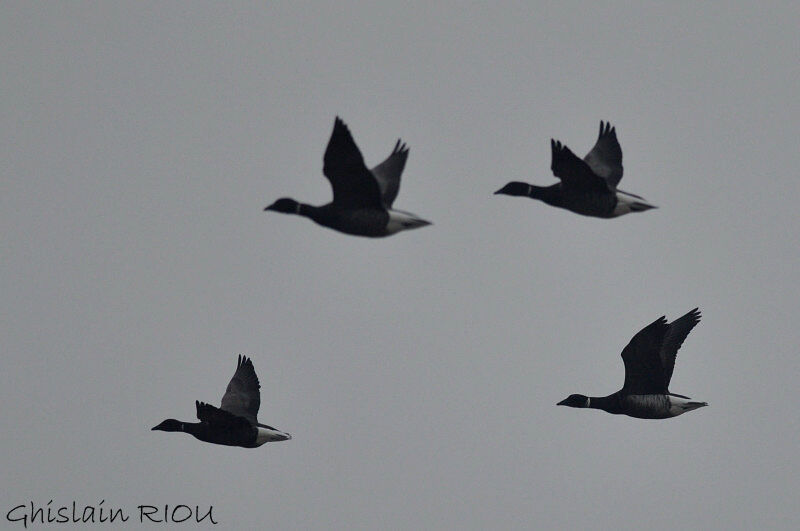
362 197
649 361
588 186
234 422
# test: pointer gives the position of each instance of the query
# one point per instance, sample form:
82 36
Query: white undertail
630 203
678 405
400 220
266 435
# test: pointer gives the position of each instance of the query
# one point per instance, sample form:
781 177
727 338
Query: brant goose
587 186
362 198
649 359
234 423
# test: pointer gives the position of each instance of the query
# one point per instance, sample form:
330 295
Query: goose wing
650 356
574 173
676 334
644 371
388 172
353 184
220 418
242 396
605 158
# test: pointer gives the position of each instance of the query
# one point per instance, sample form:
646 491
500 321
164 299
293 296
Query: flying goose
234 423
587 186
649 359
362 198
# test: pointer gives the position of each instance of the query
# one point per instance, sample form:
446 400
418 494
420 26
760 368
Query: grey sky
418 374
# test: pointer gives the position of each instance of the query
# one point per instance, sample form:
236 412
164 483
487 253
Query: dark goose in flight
649 359
234 423
587 186
362 198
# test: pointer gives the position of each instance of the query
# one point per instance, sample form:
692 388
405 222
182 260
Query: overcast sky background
419 373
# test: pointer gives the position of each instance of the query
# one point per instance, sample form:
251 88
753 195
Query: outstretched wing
644 371
242 397
676 334
353 184
605 158
388 172
574 173
219 418
650 356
